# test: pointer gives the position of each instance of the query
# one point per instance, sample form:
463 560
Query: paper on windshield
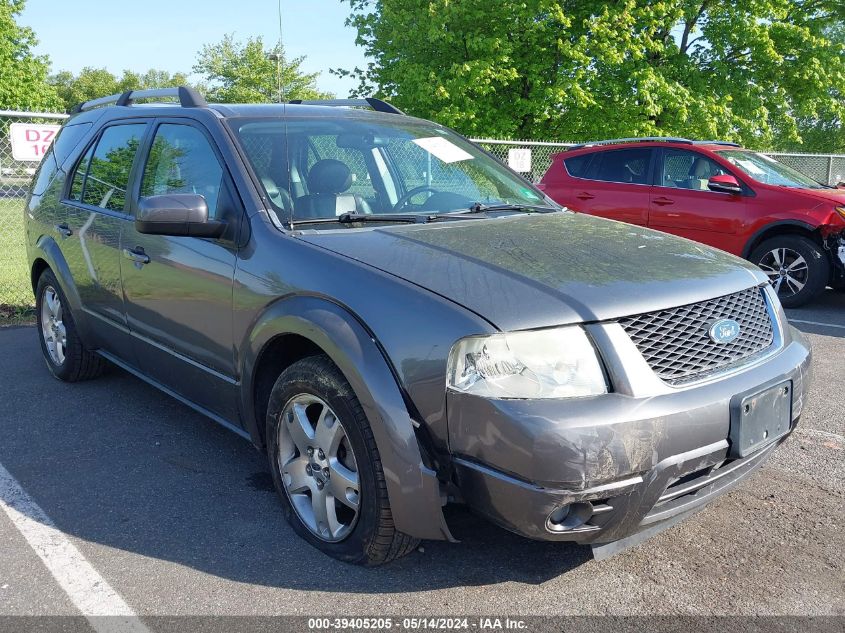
442 148
749 167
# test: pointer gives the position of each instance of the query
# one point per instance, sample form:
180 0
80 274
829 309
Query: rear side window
79 175
102 176
181 160
621 165
577 166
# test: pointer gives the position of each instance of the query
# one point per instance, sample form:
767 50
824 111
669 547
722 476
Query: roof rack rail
188 98
652 139
726 143
641 139
376 104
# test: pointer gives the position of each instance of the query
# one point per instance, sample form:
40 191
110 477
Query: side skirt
221 421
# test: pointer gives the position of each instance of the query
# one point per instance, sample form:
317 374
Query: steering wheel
401 202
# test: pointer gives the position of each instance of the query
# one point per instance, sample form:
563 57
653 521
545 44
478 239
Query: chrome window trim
709 191
612 182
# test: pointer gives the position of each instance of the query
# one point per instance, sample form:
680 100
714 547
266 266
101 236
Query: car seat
328 180
699 174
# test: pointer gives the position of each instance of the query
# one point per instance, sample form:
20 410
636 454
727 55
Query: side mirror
178 214
840 185
724 183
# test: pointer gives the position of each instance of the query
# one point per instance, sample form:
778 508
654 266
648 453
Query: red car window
687 170
621 165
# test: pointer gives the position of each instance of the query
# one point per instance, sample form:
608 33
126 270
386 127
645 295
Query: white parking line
90 593
819 323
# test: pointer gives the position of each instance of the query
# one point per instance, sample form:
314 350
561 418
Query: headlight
554 363
841 211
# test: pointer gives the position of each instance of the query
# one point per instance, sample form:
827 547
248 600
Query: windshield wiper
478 208
410 218
353 218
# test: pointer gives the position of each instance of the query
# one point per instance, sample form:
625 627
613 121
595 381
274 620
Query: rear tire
797 267
66 356
322 454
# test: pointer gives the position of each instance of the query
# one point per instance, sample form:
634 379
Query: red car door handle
663 201
584 196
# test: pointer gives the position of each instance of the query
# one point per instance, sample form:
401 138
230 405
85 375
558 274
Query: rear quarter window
67 140
620 166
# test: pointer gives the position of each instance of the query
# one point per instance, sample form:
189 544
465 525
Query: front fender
413 489
757 237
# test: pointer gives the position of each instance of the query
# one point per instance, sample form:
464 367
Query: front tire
326 466
66 356
797 267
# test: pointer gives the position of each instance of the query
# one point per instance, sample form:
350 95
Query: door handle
137 255
663 201
63 230
584 195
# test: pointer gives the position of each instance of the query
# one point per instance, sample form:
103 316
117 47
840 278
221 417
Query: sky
167 34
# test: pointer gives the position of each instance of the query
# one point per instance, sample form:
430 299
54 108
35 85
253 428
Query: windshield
769 171
321 168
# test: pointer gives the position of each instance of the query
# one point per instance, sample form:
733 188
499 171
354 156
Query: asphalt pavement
176 515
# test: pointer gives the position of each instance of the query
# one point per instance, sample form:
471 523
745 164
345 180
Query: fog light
569 517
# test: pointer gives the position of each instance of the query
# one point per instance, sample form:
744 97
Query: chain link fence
25 135
531 158
826 168
23 138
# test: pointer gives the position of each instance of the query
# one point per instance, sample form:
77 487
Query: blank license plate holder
760 418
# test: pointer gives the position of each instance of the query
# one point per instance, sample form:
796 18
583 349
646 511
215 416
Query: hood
531 271
834 196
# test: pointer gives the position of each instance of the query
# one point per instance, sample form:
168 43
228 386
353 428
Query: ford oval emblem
724 331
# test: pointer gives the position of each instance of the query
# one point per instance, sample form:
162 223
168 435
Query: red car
716 193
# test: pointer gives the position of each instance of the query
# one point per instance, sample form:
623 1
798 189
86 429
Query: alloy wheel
787 270
52 325
318 468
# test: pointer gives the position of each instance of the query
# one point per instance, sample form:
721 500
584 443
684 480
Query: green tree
825 130
92 83
22 73
248 72
153 78
756 71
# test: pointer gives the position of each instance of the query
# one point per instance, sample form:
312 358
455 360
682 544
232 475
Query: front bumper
636 459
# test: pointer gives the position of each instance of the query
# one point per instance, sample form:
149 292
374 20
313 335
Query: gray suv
400 322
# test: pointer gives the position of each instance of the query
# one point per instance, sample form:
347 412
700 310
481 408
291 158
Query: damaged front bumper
618 467
837 247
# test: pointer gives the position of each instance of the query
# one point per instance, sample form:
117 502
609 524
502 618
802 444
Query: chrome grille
676 342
